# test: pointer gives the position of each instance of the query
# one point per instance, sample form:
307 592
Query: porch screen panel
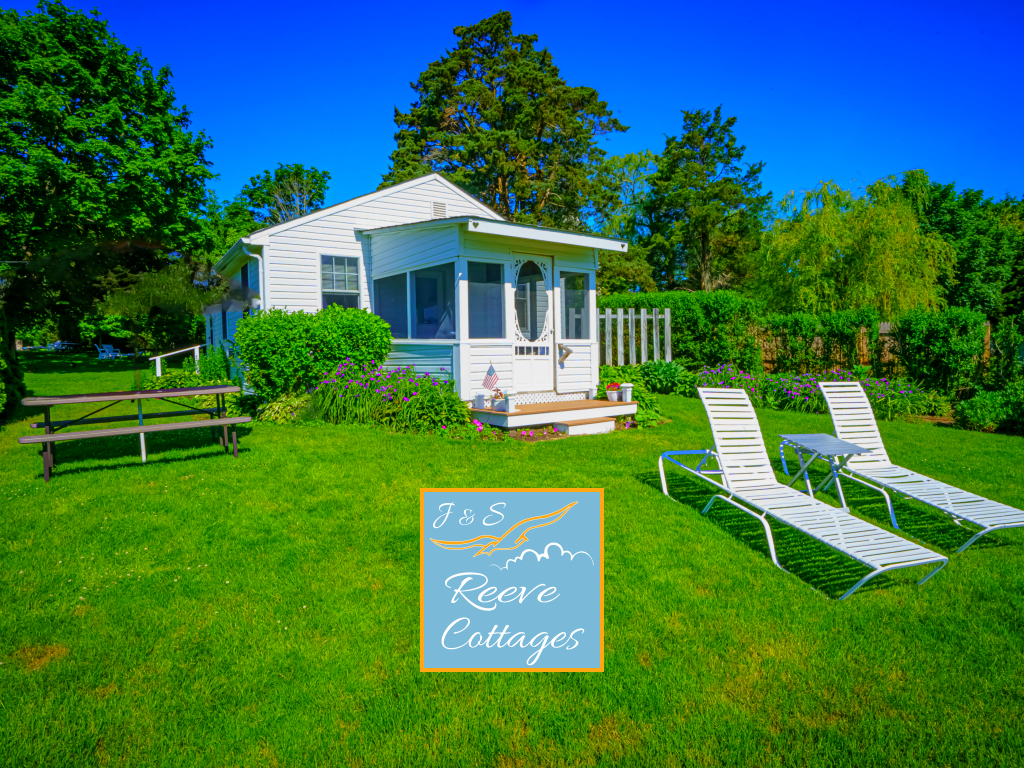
575 305
486 313
391 304
433 302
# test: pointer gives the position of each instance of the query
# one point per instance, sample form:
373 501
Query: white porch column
461 359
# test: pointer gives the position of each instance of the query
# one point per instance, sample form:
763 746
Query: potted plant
498 400
613 393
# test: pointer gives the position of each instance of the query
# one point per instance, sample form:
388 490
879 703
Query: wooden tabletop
137 394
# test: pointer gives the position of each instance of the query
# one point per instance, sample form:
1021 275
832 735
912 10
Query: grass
202 610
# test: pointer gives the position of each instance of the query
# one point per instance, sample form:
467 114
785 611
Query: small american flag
491 379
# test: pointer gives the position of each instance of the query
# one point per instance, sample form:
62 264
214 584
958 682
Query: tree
495 117
289 192
100 175
224 223
705 206
626 180
836 251
987 236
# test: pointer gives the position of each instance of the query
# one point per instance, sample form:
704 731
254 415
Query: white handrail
194 350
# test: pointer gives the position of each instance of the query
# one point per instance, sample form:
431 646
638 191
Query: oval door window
531 301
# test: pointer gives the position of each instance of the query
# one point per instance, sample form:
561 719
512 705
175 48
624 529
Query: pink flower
480 428
531 433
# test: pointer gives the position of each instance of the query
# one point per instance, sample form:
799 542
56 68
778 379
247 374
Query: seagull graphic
488 545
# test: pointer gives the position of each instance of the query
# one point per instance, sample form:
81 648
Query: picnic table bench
53 435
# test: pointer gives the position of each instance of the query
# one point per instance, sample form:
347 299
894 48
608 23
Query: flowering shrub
783 391
367 393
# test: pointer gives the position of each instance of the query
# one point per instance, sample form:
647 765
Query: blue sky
843 91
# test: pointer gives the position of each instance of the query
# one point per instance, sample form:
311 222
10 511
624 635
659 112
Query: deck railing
159 358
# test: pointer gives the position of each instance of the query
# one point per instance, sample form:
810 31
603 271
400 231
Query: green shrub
1008 359
213 366
284 352
1013 400
792 336
12 379
664 377
237 404
941 350
985 412
285 409
840 333
648 413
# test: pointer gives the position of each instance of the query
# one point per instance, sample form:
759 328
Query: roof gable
260 237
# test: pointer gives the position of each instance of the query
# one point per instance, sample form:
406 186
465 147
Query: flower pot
498 405
613 395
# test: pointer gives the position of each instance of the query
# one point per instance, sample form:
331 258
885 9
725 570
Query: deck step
539 414
586 426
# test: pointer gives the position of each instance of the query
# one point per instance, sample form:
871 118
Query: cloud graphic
562 552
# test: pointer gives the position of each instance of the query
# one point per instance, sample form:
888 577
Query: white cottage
463 289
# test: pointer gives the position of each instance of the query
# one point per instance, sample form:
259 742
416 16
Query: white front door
534 366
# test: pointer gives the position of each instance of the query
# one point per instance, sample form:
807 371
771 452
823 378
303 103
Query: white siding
435 359
482 357
491 247
576 373
393 252
293 255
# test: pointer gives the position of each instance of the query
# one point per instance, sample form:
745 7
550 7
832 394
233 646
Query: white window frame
320 278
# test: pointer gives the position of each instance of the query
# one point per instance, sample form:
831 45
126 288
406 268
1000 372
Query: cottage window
575 306
486 312
433 302
339 280
391 304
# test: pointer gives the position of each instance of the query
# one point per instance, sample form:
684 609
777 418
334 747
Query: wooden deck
535 414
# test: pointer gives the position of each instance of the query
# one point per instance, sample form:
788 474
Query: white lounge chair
855 422
749 484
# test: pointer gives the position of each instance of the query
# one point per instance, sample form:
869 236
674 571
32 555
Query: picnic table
52 429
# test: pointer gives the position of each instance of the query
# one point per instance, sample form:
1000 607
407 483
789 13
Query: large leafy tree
100 176
987 236
495 117
287 193
705 206
833 250
270 197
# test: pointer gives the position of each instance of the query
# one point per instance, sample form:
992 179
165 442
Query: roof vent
438 210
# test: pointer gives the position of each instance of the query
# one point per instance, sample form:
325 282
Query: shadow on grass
811 561
196 442
934 529
77 363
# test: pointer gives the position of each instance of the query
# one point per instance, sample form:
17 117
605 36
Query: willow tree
834 250
495 117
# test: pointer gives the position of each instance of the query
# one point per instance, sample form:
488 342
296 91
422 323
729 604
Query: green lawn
202 610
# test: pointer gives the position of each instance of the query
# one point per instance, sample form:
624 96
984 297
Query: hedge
942 351
284 352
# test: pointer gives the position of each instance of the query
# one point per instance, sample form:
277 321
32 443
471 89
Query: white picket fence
629 330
